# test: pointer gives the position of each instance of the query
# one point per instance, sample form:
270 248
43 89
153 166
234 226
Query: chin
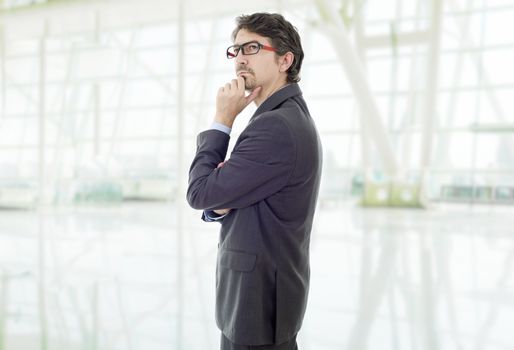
250 84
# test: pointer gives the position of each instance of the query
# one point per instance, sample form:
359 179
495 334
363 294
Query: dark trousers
226 344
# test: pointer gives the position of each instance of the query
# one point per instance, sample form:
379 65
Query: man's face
260 69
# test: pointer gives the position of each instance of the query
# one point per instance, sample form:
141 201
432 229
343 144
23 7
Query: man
265 195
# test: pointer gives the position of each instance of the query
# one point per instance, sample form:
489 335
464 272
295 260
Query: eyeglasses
249 48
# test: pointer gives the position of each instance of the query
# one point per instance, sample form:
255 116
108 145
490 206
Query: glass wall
104 101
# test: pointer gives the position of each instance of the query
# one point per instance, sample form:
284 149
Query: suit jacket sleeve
260 165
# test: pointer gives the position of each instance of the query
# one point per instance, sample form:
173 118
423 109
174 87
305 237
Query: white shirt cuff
221 127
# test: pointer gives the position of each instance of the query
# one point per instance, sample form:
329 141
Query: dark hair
283 36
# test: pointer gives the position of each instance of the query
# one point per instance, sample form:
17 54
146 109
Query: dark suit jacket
271 182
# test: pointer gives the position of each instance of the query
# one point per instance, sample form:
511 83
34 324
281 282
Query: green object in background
387 194
405 195
375 195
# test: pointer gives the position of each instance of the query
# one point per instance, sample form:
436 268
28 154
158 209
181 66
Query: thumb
253 95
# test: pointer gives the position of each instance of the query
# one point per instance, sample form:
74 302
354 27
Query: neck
270 90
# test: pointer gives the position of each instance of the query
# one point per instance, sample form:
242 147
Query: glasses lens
232 51
251 48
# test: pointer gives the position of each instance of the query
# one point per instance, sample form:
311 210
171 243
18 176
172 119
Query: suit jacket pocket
236 296
238 261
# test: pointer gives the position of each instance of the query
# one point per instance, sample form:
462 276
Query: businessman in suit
265 195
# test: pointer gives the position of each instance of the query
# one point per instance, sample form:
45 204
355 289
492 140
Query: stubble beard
249 84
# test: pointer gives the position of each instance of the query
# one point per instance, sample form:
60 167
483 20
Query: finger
253 95
234 84
228 86
241 83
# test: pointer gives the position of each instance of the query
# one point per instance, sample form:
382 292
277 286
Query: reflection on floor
123 278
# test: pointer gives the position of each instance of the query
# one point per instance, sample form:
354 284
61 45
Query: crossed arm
260 165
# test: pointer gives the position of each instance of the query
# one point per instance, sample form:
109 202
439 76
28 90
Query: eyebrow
248 42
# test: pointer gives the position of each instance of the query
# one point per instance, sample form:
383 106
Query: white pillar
364 132
96 120
431 99
96 96
42 192
41 116
337 33
180 283
2 69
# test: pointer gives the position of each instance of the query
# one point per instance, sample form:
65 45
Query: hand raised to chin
231 100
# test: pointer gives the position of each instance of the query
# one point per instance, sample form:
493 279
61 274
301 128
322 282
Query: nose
241 59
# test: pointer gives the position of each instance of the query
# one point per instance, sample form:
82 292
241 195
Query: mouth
243 73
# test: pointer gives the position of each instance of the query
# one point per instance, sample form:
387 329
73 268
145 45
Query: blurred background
100 104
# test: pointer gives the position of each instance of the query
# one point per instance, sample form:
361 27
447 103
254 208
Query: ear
286 61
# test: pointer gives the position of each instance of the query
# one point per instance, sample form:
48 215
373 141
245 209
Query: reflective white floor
121 278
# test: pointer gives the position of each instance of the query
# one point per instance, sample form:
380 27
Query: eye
252 47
